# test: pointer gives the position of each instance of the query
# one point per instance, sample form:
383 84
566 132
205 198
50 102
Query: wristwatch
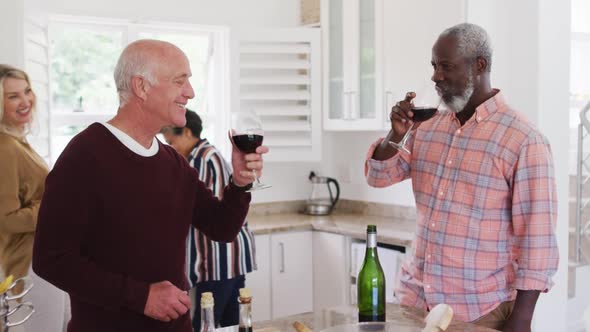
239 188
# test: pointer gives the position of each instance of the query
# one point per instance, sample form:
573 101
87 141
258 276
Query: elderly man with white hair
118 204
484 185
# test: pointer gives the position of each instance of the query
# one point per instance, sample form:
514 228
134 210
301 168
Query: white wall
283 13
553 119
11 32
345 161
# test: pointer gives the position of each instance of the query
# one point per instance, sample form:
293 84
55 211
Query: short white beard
458 103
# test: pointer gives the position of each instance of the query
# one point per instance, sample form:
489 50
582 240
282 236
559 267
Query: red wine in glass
423 113
248 143
247 135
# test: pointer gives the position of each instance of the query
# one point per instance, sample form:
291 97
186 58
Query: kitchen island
408 319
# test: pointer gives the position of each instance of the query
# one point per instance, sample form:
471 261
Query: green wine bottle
371 283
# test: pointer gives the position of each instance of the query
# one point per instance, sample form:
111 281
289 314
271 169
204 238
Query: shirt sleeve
383 173
216 174
14 217
534 216
220 219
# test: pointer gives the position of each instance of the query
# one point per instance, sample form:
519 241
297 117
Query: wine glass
424 106
247 135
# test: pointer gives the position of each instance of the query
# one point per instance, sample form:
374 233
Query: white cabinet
330 270
292 270
410 30
258 281
282 284
352 51
374 52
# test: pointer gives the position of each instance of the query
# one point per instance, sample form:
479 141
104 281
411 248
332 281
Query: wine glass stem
407 135
255 177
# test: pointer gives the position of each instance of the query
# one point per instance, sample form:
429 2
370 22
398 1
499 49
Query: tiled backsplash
343 206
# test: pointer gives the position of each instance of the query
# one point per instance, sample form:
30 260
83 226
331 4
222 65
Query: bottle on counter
371 283
207 313
245 301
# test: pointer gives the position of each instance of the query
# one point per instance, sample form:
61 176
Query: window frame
218 84
575 106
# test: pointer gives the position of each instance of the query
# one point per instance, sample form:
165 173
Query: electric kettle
322 199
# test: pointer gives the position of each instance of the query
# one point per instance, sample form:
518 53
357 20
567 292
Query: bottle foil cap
207 300
245 293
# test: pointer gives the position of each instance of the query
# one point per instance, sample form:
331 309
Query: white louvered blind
277 74
36 56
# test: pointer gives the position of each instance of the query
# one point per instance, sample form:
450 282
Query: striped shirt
486 210
210 260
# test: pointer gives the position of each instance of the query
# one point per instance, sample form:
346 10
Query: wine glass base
259 186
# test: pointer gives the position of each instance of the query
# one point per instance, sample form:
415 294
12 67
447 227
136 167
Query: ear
140 87
481 65
186 132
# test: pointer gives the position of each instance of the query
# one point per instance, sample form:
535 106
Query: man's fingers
249 174
185 299
179 309
173 313
254 165
401 116
409 96
262 149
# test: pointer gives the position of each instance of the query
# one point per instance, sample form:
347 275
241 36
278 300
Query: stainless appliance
322 199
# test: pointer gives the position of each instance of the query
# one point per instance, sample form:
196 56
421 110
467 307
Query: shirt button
428 286
458 131
450 162
479 118
433 224
428 256
440 193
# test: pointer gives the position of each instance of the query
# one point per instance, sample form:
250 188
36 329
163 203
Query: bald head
472 41
144 58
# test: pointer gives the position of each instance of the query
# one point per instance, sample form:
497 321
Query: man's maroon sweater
112 222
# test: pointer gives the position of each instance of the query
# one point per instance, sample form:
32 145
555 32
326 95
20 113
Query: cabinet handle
282 245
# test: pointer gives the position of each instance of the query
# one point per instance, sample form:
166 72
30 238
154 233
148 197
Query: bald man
118 204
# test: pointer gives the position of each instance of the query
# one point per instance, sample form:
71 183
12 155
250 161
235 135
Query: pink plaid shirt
486 210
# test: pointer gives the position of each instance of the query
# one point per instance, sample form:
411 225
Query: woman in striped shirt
213 266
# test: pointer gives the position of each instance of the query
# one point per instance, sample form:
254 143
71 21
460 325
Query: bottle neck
371 240
207 319
245 313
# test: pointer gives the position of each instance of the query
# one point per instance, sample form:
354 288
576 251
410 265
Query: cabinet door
410 30
352 64
258 281
330 265
292 269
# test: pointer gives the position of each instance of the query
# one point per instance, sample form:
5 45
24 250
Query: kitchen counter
408 319
390 230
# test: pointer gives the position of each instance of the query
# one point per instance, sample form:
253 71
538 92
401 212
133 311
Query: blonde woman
22 182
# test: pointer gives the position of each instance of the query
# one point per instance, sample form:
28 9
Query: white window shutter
276 73
36 64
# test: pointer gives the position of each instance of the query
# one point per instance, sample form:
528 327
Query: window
83 55
579 71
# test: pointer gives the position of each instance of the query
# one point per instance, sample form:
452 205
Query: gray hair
134 61
7 71
472 41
